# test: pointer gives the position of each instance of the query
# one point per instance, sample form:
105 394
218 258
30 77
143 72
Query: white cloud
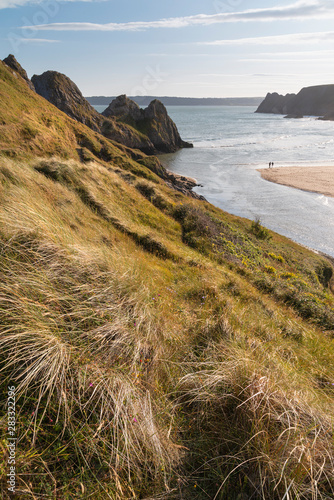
275 60
5 4
8 4
295 38
302 9
38 40
293 54
235 76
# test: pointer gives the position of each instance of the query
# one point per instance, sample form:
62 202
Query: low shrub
146 190
261 232
279 258
270 269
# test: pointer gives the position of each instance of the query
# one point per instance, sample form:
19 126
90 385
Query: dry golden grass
150 373
71 344
277 435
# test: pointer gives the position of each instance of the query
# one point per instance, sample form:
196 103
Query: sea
231 143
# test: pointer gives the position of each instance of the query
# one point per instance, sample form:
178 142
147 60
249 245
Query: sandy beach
315 179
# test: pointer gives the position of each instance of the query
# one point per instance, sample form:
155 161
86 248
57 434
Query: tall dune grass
141 376
71 342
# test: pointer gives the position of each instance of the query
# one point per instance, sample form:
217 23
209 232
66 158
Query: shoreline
311 179
183 183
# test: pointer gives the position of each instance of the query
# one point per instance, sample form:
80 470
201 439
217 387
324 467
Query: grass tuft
259 231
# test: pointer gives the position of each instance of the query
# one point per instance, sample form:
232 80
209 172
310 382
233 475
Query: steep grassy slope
29 126
160 348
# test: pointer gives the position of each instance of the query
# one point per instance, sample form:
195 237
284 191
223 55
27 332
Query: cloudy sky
198 48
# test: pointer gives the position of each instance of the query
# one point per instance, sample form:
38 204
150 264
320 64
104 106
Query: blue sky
198 48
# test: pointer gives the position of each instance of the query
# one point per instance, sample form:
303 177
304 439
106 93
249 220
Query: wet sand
315 179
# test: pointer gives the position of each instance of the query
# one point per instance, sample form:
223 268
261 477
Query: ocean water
231 143
100 107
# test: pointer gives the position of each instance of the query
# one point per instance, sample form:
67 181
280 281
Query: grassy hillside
31 126
160 347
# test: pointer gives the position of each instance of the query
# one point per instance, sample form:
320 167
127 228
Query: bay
231 143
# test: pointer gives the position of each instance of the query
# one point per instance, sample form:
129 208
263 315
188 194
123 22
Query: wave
219 145
229 143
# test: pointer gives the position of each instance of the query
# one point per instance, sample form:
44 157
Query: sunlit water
231 143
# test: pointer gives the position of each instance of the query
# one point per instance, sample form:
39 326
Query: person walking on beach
270 165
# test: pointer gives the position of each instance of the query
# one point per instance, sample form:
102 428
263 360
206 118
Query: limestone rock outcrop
276 103
150 130
12 63
310 101
153 121
124 108
66 96
76 139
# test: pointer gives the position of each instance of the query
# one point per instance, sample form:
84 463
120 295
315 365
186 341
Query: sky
187 48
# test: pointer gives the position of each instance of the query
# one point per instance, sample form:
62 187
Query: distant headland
182 101
310 101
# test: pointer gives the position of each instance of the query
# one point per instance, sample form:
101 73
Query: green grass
161 348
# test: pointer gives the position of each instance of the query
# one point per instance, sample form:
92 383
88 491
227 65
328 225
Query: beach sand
315 179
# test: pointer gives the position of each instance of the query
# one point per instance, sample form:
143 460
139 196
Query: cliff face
45 131
153 121
150 130
125 109
313 101
12 63
161 129
275 103
317 101
66 96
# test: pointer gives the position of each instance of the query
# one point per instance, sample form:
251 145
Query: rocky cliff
150 130
275 103
12 63
43 130
310 101
66 96
153 121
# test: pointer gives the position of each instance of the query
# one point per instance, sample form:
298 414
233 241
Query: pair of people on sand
271 164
